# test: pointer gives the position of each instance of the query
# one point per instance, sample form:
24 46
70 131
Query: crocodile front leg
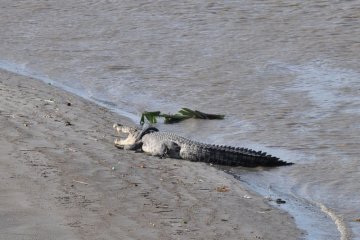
161 148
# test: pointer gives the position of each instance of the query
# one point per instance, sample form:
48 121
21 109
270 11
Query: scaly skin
171 145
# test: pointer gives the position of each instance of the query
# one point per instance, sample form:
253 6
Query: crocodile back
222 155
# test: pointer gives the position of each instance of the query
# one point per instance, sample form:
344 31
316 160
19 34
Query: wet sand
62 178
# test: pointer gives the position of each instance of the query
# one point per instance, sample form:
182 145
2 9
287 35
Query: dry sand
62 178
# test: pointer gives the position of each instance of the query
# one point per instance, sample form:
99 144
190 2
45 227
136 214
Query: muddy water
285 73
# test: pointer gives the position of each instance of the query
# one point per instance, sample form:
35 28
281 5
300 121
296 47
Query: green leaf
211 116
150 117
186 112
173 118
142 119
183 114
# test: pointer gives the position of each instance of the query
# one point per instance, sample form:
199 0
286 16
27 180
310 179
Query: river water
285 73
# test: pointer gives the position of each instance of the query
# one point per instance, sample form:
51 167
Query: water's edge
315 218
24 71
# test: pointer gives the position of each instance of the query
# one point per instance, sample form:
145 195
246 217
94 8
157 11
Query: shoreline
63 179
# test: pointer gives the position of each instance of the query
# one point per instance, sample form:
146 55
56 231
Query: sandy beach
62 178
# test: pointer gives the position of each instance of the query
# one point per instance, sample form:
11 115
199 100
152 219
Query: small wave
339 221
307 214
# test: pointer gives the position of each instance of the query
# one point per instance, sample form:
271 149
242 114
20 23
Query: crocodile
166 144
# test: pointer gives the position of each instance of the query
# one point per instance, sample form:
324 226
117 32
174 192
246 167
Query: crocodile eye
133 130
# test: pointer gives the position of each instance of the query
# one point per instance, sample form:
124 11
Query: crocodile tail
231 156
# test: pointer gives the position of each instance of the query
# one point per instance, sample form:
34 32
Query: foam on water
339 221
306 214
319 221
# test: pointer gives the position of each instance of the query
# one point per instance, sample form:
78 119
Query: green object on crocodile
182 114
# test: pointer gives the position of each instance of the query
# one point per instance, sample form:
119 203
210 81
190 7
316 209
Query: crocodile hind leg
172 150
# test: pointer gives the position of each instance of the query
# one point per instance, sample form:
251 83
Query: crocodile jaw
123 129
125 143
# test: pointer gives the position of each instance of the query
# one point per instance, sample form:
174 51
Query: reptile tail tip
283 163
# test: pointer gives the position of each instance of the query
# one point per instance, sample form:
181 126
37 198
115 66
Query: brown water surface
285 73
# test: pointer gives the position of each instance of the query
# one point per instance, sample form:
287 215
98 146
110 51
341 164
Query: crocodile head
134 135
